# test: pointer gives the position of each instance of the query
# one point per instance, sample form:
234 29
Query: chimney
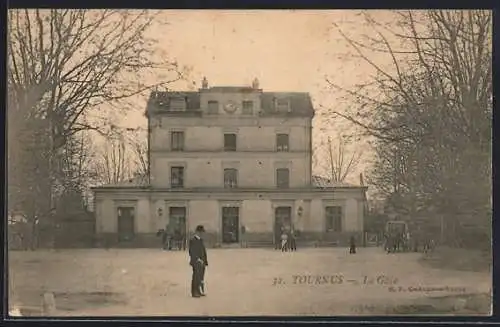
204 83
255 83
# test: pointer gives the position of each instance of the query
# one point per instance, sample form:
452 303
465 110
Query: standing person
170 236
161 232
164 239
198 260
352 247
284 241
293 244
278 236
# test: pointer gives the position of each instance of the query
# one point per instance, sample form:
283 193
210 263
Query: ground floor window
230 224
333 216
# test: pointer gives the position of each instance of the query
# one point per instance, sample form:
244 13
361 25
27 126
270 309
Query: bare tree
444 64
137 142
341 160
75 162
83 59
111 163
430 112
66 69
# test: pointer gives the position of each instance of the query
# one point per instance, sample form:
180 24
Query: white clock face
230 107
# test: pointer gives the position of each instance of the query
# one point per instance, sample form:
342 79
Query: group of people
172 239
397 242
288 240
394 242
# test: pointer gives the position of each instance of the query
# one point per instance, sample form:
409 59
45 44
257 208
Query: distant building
235 159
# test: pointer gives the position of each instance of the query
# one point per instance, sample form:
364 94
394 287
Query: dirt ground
459 259
151 282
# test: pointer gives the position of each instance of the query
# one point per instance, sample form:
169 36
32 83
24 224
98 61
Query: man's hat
200 228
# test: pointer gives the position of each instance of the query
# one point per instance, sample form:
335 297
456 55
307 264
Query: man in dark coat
198 260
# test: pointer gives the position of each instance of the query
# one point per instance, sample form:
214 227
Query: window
282 178
213 107
177 141
230 178
229 142
282 142
333 219
247 107
177 177
177 104
282 105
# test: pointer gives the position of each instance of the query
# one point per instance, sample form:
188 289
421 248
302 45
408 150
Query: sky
287 50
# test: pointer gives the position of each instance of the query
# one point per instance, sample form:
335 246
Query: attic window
213 107
247 107
177 104
282 105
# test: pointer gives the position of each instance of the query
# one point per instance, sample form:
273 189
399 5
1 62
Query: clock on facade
230 107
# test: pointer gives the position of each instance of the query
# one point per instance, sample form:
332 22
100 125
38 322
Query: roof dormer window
282 105
247 107
213 107
178 104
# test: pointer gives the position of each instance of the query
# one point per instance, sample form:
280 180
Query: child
352 248
284 240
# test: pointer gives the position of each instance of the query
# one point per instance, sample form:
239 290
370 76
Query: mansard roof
300 102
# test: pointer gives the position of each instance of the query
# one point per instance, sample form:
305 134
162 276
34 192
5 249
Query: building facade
238 161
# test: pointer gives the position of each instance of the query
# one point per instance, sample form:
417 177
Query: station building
237 160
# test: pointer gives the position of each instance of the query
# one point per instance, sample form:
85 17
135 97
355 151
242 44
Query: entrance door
177 225
282 221
230 225
126 229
